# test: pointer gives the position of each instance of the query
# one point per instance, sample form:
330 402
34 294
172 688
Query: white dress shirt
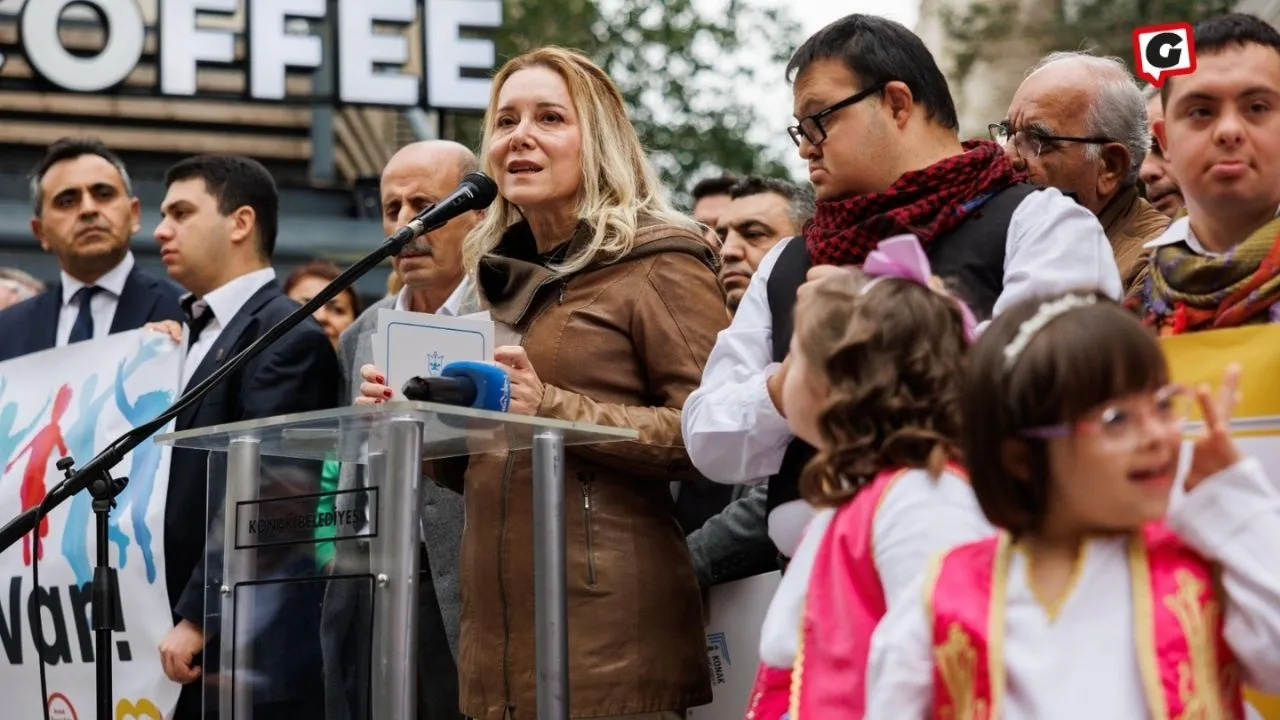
102 306
449 308
1083 663
918 518
225 302
731 428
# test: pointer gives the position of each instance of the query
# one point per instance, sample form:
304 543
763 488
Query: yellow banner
1201 358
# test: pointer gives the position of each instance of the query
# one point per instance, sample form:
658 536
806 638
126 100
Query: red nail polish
387 392
382 380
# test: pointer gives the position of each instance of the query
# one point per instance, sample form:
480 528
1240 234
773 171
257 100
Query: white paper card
410 344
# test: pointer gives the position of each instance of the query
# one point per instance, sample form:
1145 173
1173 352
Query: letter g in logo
1162 51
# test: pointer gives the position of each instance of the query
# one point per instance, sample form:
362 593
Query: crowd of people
934 373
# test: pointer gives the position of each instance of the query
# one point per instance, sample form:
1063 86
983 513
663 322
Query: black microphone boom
476 191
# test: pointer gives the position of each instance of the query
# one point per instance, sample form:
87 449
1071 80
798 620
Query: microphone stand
95 475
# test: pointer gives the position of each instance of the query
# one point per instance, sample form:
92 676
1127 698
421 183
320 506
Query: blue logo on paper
435 361
718 657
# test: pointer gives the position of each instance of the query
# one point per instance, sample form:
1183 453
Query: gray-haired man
1078 123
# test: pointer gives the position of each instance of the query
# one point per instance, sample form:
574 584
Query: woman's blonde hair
618 185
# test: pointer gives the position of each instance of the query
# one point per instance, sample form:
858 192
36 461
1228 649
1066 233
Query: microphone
475 192
477 385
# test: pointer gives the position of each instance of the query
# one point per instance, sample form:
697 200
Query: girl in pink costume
1135 575
874 385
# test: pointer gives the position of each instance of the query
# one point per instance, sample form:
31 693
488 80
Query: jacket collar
513 276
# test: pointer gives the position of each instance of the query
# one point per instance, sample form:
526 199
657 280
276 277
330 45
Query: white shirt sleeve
900 666
1055 245
1233 518
919 518
732 430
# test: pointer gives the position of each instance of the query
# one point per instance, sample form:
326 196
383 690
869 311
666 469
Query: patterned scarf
926 203
1187 292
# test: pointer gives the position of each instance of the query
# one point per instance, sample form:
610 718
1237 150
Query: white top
1084 663
918 518
731 428
449 308
225 302
102 306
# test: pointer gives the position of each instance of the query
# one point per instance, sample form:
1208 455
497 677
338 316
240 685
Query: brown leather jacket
1131 222
620 344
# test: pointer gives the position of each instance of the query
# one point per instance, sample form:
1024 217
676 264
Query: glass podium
312 557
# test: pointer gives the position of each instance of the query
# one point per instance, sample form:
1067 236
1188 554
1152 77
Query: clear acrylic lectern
291 633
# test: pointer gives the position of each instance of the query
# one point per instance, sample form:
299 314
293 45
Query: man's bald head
1082 96
431 152
418 176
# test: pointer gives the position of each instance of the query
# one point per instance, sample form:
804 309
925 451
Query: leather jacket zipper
585 479
502 584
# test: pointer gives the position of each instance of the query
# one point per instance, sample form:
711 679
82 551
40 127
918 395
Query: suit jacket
32 325
735 544
297 373
346 605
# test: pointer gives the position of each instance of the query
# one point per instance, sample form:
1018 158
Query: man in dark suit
216 236
84 212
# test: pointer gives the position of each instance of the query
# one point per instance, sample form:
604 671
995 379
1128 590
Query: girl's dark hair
894 358
1077 362
327 271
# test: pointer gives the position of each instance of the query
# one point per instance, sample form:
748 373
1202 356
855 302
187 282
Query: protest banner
74 401
1199 358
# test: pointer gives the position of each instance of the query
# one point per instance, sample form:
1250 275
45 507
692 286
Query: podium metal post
550 605
393 560
238 566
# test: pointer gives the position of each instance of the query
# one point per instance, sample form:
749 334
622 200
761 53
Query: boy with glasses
878 128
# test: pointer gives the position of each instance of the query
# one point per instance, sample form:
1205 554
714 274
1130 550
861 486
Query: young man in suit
216 235
84 212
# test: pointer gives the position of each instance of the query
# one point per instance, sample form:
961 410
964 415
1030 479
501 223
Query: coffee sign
366 64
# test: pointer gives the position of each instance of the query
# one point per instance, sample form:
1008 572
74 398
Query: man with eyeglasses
1216 267
1077 123
879 131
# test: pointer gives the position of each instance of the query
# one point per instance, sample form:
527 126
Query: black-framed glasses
812 128
1030 143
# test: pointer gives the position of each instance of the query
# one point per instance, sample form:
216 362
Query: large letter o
126 32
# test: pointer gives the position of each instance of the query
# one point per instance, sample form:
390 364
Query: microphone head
483 190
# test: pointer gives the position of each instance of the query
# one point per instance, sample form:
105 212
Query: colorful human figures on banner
40 449
81 438
142 475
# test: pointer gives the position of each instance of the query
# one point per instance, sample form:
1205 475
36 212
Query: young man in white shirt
1214 268
878 128
217 234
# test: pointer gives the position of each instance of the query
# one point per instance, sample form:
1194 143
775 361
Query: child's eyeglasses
1120 426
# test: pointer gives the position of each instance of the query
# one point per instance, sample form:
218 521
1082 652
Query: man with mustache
84 212
417 176
1215 267
1162 187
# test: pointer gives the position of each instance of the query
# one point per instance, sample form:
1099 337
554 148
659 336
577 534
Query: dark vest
970 260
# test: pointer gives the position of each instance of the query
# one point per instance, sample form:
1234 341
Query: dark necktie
199 315
83 327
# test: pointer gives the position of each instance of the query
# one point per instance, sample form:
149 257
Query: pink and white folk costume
1162 623
853 563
